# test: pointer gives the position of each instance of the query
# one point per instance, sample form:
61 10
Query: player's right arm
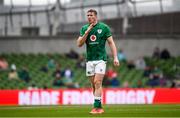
82 39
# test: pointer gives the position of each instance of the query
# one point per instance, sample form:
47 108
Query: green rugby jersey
96 41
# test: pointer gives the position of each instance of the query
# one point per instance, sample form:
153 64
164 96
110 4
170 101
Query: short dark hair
92 10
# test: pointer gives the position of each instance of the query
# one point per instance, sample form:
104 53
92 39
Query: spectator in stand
147 71
44 69
111 78
155 77
163 81
173 84
165 54
13 73
107 77
140 63
156 54
72 54
58 81
3 64
68 73
115 82
81 62
130 64
58 74
139 84
24 74
68 76
32 87
69 83
121 56
51 63
125 84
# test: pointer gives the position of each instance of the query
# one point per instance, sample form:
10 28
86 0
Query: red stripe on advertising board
167 95
9 97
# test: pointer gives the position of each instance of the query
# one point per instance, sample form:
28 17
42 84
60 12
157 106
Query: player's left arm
113 50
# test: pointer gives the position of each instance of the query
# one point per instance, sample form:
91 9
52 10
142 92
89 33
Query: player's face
92 18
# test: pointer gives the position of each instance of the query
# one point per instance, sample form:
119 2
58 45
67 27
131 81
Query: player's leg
100 69
91 78
97 83
98 90
90 73
94 110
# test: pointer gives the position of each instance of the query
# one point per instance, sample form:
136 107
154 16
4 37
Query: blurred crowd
64 77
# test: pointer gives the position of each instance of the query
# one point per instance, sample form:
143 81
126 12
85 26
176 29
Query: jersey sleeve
82 31
108 32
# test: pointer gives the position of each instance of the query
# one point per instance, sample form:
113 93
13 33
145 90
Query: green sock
97 104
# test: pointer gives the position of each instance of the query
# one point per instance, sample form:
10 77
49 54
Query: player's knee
98 84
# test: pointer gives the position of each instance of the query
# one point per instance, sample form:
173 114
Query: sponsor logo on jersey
93 37
99 31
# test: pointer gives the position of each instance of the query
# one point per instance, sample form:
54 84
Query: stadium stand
41 79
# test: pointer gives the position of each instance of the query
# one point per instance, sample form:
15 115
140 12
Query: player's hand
116 62
89 28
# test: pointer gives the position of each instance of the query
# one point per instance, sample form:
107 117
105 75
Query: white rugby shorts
93 67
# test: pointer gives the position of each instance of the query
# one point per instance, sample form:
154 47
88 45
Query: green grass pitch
83 111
